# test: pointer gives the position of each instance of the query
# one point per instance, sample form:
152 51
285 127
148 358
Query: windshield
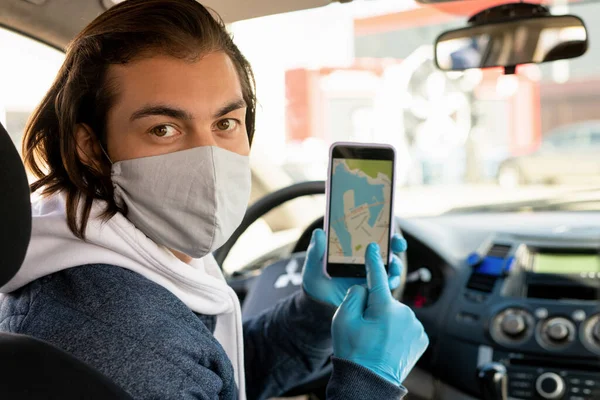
364 71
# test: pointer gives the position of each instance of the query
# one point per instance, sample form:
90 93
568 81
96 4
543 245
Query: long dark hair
81 94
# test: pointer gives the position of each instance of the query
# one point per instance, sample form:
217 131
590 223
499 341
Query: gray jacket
149 343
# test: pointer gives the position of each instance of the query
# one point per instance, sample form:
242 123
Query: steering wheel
284 277
291 266
266 204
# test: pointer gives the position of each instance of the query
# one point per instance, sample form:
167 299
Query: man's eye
227 124
164 131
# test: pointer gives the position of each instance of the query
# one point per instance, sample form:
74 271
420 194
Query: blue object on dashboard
473 259
491 266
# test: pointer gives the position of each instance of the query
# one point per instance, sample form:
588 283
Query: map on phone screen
359 208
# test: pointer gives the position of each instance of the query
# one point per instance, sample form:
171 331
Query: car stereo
553 261
535 303
554 273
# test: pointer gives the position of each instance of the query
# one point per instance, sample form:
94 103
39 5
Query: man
141 150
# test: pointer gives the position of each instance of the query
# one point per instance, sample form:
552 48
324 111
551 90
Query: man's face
165 104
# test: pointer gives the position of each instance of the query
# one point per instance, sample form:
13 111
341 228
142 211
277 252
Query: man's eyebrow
232 106
161 109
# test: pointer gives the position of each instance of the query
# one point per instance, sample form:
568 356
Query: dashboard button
521 375
520 384
578 315
557 331
522 394
541 313
550 386
513 324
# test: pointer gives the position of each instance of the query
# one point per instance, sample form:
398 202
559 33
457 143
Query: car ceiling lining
48 22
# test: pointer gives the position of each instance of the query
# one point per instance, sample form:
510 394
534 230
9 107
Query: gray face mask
190 201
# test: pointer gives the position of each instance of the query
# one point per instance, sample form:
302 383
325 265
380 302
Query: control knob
591 334
513 324
596 332
556 333
550 386
557 330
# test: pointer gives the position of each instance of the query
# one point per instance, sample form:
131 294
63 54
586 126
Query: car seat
31 368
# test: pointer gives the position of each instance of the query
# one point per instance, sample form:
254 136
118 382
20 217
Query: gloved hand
374 330
332 290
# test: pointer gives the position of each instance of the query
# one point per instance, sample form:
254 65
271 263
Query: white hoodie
200 284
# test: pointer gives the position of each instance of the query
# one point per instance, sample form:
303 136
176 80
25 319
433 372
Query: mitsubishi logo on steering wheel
291 276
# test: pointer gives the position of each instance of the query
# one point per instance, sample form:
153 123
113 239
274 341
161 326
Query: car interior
504 275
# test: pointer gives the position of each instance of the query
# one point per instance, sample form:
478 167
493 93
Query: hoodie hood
200 285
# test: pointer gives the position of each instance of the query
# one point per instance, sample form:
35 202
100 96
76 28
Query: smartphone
360 203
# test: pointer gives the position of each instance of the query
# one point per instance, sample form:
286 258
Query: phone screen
360 207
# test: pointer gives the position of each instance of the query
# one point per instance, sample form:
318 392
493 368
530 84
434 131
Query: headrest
15 209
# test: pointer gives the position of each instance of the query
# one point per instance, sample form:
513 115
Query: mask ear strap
106 154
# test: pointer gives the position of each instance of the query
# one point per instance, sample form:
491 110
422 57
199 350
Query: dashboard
518 289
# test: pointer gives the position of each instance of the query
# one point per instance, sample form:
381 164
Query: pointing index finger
377 279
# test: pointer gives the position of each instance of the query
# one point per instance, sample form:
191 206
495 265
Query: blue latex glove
333 290
374 330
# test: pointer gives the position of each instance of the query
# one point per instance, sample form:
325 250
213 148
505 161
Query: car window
27 70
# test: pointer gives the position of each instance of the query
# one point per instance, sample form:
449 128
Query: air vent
499 251
482 282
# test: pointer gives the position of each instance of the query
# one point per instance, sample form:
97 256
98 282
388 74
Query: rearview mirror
508 44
